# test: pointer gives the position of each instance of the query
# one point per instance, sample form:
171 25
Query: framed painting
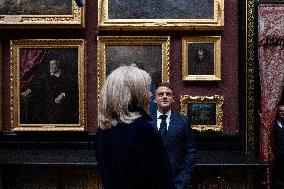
201 58
44 13
206 112
47 85
150 53
160 14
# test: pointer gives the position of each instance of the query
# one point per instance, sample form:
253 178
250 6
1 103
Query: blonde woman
129 152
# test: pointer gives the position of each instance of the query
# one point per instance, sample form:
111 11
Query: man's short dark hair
56 60
165 85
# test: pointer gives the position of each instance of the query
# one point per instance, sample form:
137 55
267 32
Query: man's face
164 98
53 66
280 112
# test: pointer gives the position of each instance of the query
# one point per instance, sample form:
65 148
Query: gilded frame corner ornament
216 22
75 19
216 99
195 69
78 68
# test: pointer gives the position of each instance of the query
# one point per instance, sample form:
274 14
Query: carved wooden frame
16 46
186 42
216 99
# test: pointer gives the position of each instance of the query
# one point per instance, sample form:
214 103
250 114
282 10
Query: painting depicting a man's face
49 86
201 59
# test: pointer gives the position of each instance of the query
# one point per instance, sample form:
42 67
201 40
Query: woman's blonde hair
123 96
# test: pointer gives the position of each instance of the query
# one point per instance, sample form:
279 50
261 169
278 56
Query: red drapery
30 58
271 70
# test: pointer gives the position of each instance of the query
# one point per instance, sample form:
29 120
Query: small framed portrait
47 85
201 58
161 15
205 112
41 13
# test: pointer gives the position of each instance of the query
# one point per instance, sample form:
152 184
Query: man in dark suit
51 97
278 135
177 137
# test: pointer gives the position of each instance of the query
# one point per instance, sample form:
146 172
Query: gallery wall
227 86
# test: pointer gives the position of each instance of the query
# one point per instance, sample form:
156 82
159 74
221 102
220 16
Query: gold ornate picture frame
206 112
150 53
201 58
47 85
58 13
159 15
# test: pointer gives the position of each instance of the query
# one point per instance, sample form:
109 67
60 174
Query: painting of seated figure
48 86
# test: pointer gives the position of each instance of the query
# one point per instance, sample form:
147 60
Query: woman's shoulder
142 124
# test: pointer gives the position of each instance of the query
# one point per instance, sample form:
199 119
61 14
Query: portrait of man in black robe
51 96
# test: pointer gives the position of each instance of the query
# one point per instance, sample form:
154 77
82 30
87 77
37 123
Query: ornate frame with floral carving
208 111
73 65
73 19
201 58
138 16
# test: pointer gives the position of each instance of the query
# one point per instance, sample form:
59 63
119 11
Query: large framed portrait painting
47 86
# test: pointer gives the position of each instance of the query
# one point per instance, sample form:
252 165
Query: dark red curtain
30 59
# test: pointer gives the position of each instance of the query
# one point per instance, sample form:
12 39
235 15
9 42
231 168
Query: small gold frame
195 69
75 19
79 64
214 23
214 102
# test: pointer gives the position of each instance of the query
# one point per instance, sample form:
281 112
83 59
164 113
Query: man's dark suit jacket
278 136
180 146
133 157
277 171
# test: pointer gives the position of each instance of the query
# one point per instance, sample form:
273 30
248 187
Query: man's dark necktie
163 125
